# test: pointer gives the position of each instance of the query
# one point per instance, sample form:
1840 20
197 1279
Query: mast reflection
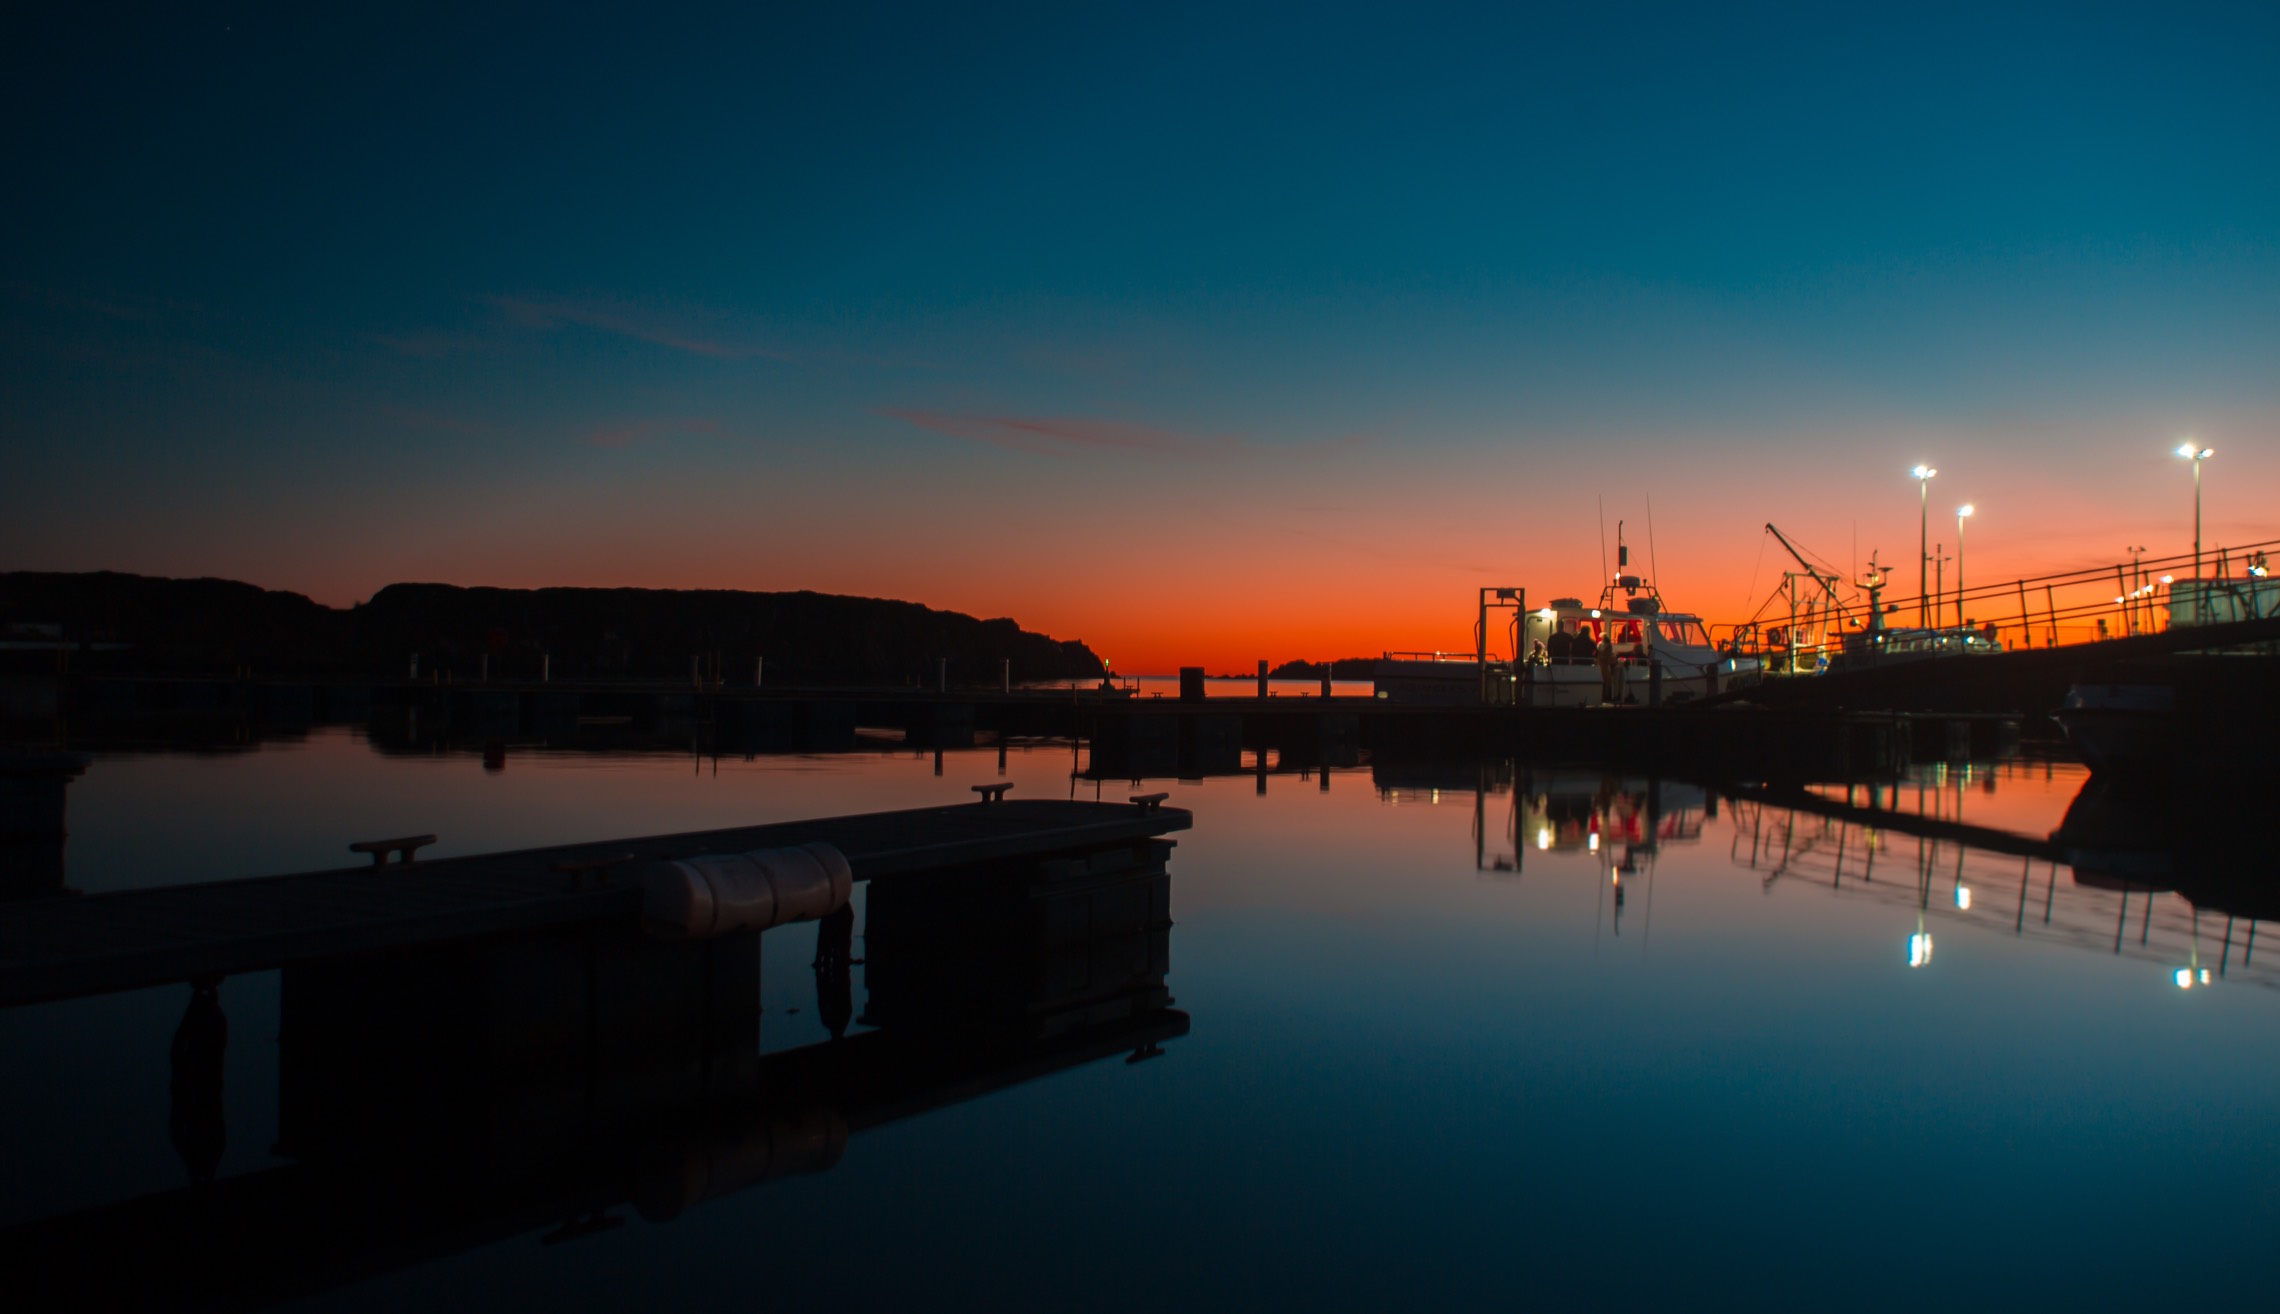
2145 877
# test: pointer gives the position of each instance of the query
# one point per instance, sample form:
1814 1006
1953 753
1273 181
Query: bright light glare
1594 841
1543 837
1963 897
1963 510
1923 472
1919 949
2184 978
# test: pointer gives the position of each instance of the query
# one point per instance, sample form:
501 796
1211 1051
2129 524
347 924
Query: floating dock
65 946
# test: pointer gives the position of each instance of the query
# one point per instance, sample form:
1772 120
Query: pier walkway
61 947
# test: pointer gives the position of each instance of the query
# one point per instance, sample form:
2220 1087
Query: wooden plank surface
65 946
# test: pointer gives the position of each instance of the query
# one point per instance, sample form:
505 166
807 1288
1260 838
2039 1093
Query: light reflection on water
1461 1032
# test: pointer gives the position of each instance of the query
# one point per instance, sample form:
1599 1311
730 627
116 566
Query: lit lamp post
1962 513
2196 455
1923 475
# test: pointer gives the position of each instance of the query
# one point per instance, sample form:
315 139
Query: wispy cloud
1061 436
634 433
674 332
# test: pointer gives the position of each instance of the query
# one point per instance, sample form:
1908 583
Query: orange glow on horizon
1159 562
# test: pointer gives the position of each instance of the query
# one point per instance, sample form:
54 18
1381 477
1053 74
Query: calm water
1461 1033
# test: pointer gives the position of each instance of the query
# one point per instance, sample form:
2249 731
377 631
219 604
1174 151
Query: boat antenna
1652 564
1603 537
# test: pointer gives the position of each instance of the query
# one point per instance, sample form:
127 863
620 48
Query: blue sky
936 303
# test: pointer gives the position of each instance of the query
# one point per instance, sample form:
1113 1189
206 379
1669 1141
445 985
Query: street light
1923 475
2196 455
2137 586
1962 513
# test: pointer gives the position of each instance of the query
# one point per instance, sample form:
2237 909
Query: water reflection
1420 947
2146 875
438 1100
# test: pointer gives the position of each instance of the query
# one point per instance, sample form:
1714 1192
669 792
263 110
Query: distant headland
1344 668
154 624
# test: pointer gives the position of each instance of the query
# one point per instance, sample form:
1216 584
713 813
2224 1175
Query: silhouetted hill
211 624
1344 668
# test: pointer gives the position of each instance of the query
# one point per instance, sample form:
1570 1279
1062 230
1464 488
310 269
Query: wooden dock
61 947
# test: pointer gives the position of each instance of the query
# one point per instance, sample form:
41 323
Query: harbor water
1464 1034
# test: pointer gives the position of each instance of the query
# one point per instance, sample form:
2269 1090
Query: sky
1201 334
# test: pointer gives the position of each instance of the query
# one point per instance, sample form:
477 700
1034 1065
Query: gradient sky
1200 334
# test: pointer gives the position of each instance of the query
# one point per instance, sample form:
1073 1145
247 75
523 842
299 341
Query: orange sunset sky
1199 347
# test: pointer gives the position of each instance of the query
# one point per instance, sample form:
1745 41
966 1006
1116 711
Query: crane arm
1828 579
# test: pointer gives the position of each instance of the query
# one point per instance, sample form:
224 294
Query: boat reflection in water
438 1101
2131 870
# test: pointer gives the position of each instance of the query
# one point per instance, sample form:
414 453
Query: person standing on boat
1610 678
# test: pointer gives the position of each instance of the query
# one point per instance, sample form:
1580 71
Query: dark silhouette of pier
2033 681
58 947
568 1081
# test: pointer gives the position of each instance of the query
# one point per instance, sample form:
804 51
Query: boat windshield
1681 629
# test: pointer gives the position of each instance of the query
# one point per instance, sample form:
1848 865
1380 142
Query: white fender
699 898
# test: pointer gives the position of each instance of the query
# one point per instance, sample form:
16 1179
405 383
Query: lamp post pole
2196 455
1923 475
1962 513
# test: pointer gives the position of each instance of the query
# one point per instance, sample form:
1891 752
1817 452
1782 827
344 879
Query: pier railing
2108 601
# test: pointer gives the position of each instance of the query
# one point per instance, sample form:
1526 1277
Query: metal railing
2042 611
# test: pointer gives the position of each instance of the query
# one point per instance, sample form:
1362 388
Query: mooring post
1005 675
1262 677
1325 679
759 668
546 668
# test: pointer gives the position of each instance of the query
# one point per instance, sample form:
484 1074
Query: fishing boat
1876 644
1653 656
1659 655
